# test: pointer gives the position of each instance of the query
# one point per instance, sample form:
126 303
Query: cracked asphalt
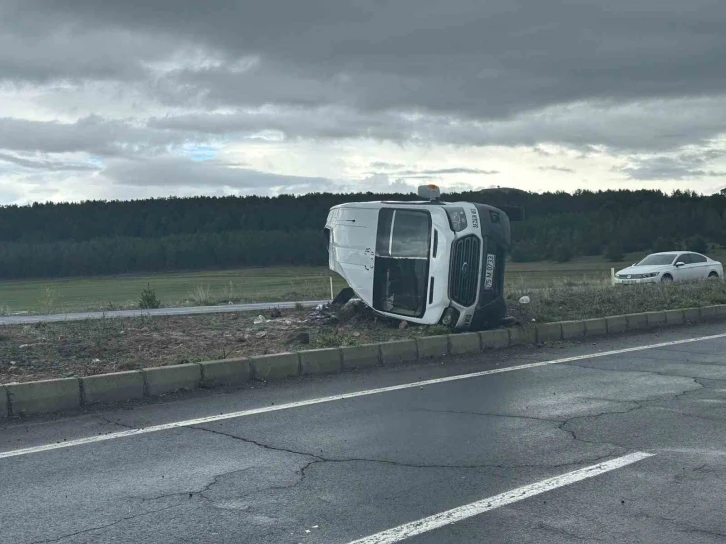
338 471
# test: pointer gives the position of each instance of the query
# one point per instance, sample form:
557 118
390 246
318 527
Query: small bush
229 293
201 295
436 330
697 243
48 300
149 301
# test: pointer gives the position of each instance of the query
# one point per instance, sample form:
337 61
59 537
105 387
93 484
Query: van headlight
450 317
457 218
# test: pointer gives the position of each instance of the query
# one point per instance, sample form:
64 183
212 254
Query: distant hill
90 238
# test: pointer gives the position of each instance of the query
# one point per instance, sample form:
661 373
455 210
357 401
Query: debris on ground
84 348
323 315
299 338
343 297
275 313
403 325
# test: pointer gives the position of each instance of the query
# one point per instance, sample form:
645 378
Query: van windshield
402 261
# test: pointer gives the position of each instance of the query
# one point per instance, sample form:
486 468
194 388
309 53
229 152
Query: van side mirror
680 264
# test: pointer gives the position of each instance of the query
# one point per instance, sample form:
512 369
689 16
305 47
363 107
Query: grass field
175 289
254 285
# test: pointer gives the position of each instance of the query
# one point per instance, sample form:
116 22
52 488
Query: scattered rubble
299 338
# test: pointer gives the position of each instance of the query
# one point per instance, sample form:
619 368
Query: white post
612 276
332 296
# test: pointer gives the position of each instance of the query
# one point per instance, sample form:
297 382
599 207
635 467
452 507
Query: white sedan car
670 266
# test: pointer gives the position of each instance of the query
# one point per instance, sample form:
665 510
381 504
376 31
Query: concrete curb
167 379
68 394
276 366
321 361
363 356
226 372
44 396
432 346
115 387
400 351
4 401
465 343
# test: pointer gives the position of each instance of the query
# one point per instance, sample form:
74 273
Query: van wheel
667 278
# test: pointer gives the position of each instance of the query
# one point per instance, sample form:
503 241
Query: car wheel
713 276
667 278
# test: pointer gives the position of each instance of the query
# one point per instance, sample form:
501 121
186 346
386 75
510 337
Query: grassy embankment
77 348
252 285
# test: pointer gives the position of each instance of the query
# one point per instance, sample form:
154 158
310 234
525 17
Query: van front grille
464 272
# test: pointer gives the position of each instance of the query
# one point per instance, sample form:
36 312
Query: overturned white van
426 262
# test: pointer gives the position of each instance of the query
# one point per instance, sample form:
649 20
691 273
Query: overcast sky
129 99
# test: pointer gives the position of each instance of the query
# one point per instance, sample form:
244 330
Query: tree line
97 237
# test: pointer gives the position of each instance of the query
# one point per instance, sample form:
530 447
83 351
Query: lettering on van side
489 277
474 218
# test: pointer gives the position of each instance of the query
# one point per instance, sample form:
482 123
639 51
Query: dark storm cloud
669 168
481 60
45 164
172 171
631 75
656 125
91 134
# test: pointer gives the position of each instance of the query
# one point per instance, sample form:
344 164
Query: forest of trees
95 238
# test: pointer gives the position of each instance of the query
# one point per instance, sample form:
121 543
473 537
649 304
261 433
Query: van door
352 247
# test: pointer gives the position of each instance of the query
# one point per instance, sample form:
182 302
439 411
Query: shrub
148 299
201 295
697 243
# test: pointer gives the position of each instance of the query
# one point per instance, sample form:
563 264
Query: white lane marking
402 532
343 396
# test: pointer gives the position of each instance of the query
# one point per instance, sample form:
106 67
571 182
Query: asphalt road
79 316
378 457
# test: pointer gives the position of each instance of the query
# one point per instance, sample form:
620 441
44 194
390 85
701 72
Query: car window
658 260
695 258
684 258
